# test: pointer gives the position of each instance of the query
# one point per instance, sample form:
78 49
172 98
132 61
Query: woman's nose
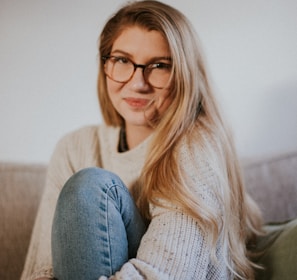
138 81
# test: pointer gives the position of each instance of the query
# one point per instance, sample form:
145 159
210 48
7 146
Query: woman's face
136 99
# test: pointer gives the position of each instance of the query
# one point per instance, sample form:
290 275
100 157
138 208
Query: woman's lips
136 102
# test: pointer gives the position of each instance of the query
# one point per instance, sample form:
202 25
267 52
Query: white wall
48 69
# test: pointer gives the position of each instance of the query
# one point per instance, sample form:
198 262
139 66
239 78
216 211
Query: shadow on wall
276 120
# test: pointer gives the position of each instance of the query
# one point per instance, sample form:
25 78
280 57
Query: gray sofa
271 182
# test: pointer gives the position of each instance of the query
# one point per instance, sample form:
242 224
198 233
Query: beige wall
48 67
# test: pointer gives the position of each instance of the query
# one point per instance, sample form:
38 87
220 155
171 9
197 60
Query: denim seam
108 189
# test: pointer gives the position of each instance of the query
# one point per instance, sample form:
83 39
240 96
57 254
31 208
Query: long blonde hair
193 114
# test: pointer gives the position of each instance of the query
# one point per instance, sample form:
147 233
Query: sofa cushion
278 252
21 187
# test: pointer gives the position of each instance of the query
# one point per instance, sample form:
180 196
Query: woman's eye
161 65
120 59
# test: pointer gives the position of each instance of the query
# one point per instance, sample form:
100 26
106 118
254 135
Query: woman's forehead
136 40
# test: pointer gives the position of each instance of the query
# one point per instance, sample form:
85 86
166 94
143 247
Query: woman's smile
137 103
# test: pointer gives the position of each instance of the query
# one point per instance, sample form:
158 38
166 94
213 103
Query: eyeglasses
121 69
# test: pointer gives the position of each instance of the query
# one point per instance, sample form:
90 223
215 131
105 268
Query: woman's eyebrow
121 52
128 55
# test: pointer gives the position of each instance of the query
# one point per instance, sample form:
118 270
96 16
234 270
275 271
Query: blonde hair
193 114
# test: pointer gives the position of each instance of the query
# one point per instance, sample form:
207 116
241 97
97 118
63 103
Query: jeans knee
87 183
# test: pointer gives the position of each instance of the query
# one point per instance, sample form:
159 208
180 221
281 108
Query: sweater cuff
43 272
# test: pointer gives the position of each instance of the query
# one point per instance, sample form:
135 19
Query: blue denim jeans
96 227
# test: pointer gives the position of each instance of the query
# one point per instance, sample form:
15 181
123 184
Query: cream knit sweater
173 246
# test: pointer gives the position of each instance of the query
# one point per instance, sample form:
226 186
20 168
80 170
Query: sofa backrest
273 185
21 187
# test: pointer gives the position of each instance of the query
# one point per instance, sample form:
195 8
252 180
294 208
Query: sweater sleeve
172 248
73 151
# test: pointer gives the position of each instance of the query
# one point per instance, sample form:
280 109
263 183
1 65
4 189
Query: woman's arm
175 246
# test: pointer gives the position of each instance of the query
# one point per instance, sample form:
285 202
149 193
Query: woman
164 142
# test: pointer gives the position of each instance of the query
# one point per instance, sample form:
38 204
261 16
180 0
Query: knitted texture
173 246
